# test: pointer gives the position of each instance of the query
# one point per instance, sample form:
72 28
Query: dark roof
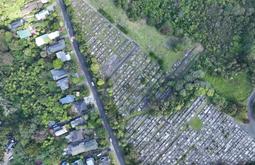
63 83
79 107
77 122
75 136
82 147
59 45
17 23
58 74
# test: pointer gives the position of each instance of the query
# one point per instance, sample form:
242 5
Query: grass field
237 88
146 36
196 123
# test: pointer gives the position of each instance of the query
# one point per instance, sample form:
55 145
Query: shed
24 33
58 46
42 15
58 74
67 99
77 122
75 136
63 83
17 23
63 56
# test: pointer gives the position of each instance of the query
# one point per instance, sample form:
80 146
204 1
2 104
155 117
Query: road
88 80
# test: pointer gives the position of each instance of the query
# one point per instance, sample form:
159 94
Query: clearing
238 88
146 36
196 123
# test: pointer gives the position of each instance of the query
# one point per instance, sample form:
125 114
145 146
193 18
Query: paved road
88 80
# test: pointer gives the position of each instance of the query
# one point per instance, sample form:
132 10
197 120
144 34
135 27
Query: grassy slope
238 88
146 36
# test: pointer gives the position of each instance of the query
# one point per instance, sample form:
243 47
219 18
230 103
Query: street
88 80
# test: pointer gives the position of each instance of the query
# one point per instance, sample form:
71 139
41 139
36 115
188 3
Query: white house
42 15
46 38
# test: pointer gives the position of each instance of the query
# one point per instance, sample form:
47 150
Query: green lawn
196 123
146 36
237 88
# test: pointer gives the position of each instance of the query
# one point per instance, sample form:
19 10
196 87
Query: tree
58 64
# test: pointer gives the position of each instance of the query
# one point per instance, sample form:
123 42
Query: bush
57 64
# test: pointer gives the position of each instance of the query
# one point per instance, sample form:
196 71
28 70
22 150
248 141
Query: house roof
77 122
78 162
58 74
24 33
59 130
29 7
63 83
42 15
90 161
82 147
67 99
17 23
59 45
75 136
46 38
63 56
44 1
79 107
51 7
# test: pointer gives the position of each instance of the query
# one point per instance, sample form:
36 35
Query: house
58 46
58 74
24 33
46 38
90 161
77 122
58 130
78 162
64 163
82 147
79 107
68 99
29 7
63 56
75 136
42 15
44 1
63 83
17 23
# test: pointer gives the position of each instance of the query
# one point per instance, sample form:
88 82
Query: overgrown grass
238 88
146 36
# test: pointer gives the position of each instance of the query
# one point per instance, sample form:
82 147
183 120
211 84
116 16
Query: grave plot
172 140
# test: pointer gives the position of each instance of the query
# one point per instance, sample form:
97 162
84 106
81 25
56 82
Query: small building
44 1
63 56
75 136
77 122
58 74
24 33
78 162
17 23
29 7
63 83
90 161
58 130
104 161
46 38
58 46
79 107
42 15
64 163
67 99
82 147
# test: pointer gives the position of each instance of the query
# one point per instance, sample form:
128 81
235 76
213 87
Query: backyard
146 36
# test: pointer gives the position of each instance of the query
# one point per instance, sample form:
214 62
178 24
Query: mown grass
238 88
196 123
146 36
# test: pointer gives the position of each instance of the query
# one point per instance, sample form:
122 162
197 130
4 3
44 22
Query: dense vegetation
224 27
